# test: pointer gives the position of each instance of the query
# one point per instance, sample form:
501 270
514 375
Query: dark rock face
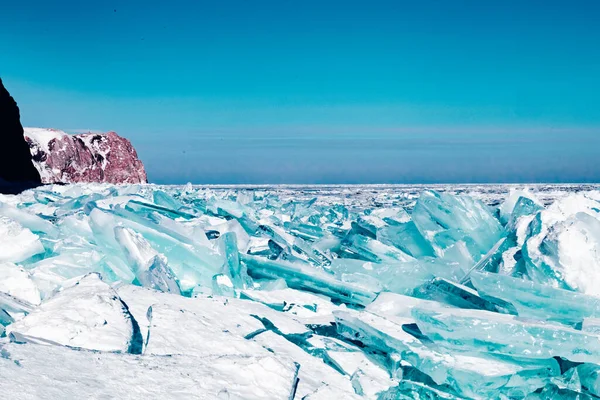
17 171
90 157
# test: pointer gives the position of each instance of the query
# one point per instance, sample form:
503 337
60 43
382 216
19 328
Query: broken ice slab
457 295
393 304
532 300
444 219
517 204
232 267
407 237
180 230
296 246
88 315
313 373
304 231
163 199
50 273
477 330
552 391
193 265
305 277
367 225
391 215
364 248
523 208
50 372
28 220
589 377
478 375
398 277
150 268
176 330
591 324
18 243
146 208
10 305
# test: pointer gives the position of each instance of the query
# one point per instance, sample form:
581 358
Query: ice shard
18 243
150 267
305 277
444 220
533 300
470 330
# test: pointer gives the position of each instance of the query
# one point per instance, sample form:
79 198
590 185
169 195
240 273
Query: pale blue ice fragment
533 300
368 225
295 246
364 248
407 238
523 207
397 277
444 219
589 376
591 324
471 375
163 199
233 268
193 265
306 277
30 221
146 208
517 204
457 295
477 330
150 267
304 231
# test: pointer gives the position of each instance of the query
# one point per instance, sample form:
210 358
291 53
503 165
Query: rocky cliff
89 157
16 169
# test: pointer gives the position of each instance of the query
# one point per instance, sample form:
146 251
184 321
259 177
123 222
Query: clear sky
319 91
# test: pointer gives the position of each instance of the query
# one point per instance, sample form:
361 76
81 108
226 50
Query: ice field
300 292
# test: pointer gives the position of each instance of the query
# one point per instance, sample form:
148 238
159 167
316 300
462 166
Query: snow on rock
89 157
89 314
31 371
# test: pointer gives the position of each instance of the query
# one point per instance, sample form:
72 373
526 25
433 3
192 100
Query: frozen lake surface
300 292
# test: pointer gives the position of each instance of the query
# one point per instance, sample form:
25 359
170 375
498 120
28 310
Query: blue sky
319 91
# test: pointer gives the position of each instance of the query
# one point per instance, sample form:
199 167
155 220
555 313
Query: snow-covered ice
300 292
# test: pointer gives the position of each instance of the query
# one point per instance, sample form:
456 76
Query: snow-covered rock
88 157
